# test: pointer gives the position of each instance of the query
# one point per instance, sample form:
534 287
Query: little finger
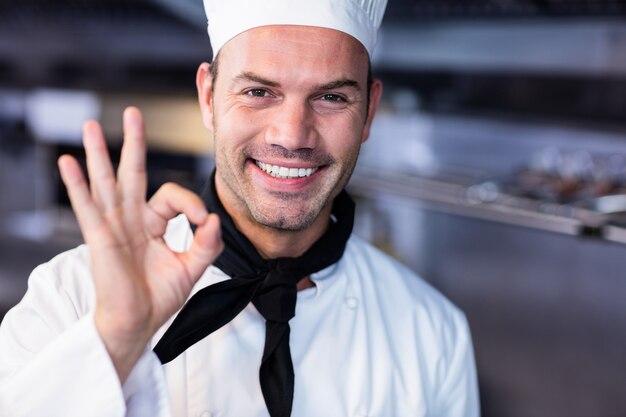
87 213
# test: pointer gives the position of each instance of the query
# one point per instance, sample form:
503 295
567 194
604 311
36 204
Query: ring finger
101 175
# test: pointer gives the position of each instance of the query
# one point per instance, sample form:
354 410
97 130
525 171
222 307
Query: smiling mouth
283 172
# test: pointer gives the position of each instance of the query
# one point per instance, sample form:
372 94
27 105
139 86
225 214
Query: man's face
289 114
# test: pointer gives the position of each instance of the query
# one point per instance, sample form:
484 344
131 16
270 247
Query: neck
274 243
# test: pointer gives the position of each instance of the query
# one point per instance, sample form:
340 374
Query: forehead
297 49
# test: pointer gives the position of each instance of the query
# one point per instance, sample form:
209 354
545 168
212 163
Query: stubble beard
282 211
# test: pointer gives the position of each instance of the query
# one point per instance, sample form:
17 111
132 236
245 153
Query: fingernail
201 214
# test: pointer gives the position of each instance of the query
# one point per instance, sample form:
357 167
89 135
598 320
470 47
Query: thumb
206 246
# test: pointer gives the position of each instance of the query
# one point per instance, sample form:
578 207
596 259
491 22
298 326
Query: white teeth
284 172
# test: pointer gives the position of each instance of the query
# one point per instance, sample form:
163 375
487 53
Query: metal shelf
459 199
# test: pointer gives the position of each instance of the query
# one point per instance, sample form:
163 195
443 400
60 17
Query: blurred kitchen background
496 168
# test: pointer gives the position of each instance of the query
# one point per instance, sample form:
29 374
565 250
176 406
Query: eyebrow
343 82
250 76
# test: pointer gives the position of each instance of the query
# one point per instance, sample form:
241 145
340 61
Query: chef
253 298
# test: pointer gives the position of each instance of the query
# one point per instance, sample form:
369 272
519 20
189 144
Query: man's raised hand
140 282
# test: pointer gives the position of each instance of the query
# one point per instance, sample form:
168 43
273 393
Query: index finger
170 200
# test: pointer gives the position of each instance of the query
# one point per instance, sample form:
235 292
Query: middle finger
131 173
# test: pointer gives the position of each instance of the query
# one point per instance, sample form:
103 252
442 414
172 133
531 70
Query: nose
292 126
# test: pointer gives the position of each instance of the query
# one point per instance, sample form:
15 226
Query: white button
352 302
206 414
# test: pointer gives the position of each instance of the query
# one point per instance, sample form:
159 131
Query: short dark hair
213 71
370 78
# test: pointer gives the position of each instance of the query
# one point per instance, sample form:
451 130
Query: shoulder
59 292
397 290
64 271
387 274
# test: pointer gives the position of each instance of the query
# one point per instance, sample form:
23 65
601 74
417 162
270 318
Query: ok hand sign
140 282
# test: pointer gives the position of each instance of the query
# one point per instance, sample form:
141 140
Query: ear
205 94
376 93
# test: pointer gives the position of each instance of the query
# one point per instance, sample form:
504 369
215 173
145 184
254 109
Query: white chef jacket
370 339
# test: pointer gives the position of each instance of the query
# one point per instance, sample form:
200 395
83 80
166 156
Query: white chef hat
358 18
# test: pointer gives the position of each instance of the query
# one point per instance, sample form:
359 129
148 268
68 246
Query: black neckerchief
269 284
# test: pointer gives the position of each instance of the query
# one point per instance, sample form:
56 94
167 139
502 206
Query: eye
335 98
257 92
